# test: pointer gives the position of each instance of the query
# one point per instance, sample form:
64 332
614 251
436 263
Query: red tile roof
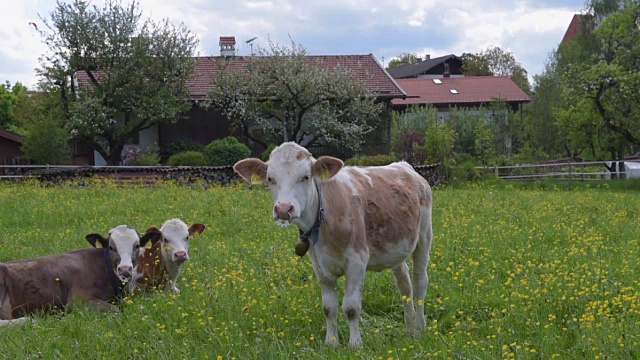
471 89
366 69
574 29
227 40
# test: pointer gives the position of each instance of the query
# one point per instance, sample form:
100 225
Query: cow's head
175 239
123 244
289 174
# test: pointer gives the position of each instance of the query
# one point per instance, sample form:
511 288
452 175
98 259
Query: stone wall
208 175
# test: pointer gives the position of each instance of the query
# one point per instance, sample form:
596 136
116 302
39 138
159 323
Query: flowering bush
136 156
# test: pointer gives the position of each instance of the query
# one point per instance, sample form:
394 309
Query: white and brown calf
57 282
159 266
359 219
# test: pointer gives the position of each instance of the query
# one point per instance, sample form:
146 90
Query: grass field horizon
516 272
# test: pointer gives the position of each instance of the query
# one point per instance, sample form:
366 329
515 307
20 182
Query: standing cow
159 266
95 276
357 219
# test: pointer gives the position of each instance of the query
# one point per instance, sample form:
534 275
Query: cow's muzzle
180 256
283 211
124 272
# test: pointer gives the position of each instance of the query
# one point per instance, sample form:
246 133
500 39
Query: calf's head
123 244
175 239
289 174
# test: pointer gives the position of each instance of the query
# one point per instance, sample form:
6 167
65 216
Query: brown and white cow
357 219
58 282
159 266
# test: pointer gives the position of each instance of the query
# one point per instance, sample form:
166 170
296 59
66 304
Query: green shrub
266 153
136 156
375 160
226 151
179 146
146 160
188 158
470 171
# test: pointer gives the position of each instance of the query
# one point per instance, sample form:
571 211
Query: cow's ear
196 228
97 241
153 234
326 167
150 243
252 170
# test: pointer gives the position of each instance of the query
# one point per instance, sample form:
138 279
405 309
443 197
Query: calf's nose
180 256
125 270
284 210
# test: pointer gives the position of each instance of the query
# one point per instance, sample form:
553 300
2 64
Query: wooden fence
571 171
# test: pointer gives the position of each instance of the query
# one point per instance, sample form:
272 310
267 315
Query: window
437 81
453 91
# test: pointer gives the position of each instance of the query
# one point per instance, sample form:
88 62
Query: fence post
570 174
496 171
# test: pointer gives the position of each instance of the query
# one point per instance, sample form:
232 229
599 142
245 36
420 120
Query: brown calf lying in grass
57 282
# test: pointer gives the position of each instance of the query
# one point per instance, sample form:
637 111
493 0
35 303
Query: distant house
10 143
574 29
443 66
463 92
203 125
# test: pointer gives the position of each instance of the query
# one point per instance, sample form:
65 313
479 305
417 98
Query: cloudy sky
385 28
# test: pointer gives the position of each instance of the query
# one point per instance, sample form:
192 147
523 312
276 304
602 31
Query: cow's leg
5 301
352 301
401 273
420 265
330 306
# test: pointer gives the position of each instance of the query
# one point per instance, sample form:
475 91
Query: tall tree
404 58
542 133
41 116
117 73
496 62
285 96
607 85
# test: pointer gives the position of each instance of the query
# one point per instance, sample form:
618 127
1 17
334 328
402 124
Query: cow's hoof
302 247
333 341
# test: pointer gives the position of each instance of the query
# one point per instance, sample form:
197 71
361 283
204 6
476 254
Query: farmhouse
203 126
443 66
463 92
10 143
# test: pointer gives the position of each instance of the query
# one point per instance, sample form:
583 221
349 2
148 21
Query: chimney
227 46
427 56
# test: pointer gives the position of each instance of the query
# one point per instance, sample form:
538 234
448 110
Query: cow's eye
304 178
112 248
270 180
136 246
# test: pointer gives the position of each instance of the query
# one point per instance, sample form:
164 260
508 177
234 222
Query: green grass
516 271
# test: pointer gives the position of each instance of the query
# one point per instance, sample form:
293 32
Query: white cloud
20 44
384 27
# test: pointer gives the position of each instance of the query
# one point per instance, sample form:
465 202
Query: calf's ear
150 243
196 228
326 167
153 234
97 241
252 170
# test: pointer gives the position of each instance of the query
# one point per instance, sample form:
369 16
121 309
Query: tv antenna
250 42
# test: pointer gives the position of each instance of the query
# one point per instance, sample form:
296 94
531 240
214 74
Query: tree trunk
115 153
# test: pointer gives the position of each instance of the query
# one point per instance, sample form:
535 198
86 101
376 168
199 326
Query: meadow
526 273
